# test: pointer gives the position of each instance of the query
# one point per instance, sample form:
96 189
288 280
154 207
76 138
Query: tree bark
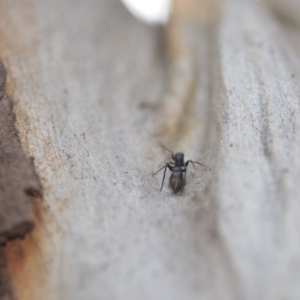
95 92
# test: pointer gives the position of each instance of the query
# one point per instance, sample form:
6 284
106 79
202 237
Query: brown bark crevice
19 185
18 179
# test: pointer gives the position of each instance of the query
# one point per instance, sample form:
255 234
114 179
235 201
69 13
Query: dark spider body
176 181
178 168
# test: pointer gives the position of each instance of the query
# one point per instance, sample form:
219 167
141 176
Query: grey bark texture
95 92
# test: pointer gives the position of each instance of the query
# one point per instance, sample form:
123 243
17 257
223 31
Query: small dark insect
178 168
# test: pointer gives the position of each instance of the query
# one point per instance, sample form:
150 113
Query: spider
178 168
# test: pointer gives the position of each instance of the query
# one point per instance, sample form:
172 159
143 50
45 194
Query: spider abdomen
176 181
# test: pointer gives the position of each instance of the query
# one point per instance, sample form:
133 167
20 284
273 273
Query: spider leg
159 170
168 150
166 166
162 183
194 162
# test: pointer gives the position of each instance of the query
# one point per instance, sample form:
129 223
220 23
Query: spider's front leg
165 166
193 162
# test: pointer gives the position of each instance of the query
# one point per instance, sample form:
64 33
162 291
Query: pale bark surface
95 91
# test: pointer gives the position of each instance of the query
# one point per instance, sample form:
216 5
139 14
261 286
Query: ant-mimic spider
178 168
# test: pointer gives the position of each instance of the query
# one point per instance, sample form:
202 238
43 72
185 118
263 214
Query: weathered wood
258 165
94 96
